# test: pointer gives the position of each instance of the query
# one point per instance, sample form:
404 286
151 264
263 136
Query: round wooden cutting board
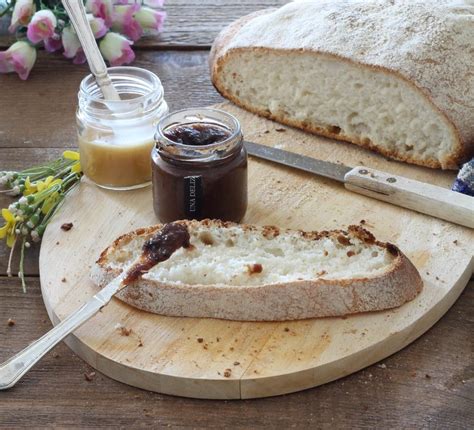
208 358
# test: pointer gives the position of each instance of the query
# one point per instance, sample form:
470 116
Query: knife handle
408 193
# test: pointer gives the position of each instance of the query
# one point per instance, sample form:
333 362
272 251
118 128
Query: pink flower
72 46
80 57
101 9
116 49
22 13
97 25
19 58
125 22
149 19
41 26
53 43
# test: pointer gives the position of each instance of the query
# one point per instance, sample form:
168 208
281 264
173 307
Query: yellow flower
29 187
71 155
76 168
55 182
50 202
42 185
8 229
49 182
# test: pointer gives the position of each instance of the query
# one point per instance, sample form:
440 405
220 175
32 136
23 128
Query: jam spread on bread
158 248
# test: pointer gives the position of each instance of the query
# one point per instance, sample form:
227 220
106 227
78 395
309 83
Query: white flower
22 13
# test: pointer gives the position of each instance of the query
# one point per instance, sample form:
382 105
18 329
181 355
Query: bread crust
271 302
220 53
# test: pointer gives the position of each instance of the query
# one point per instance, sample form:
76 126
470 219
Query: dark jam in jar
199 133
199 167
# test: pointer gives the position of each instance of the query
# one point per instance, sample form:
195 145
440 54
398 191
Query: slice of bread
393 76
248 273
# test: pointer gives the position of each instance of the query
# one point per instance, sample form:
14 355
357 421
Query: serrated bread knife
397 190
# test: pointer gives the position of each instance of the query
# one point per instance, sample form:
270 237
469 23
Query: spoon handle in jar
77 14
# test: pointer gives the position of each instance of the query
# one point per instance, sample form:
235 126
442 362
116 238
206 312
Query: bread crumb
382 366
67 226
325 253
10 322
124 331
200 340
227 373
350 253
321 273
343 240
89 376
254 268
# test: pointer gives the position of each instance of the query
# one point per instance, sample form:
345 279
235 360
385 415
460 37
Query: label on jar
193 196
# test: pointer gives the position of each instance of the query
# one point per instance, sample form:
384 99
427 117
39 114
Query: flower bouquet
42 189
44 23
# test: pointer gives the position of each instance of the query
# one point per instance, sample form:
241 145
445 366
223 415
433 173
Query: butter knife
415 195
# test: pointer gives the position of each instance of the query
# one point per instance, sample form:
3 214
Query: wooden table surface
429 384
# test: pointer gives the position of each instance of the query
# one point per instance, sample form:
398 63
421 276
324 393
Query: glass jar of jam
116 137
199 167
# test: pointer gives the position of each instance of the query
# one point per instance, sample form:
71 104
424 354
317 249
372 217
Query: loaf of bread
395 76
243 272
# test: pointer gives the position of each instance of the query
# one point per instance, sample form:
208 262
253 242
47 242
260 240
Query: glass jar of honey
199 167
116 137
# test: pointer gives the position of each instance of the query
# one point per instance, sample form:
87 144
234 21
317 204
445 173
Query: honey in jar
116 137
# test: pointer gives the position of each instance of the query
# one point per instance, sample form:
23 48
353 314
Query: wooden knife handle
408 193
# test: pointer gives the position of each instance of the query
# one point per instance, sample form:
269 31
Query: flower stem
10 258
22 261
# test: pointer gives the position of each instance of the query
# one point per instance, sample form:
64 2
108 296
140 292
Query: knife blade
397 190
301 162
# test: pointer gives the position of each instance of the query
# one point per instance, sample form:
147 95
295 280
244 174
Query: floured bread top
430 42
243 255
